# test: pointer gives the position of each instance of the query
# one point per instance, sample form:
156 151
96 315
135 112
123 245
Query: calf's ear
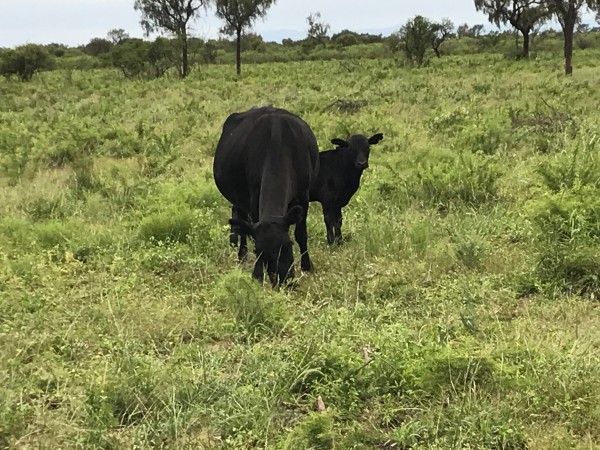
294 215
375 138
340 142
242 226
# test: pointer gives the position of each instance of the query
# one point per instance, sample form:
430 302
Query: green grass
470 276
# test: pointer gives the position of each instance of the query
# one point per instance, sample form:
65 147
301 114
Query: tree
317 29
439 32
568 13
465 30
462 30
523 15
173 16
57 50
131 57
97 46
117 36
24 61
417 36
239 15
209 52
345 38
161 56
476 30
394 43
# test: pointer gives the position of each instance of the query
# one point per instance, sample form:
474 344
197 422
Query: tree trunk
526 44
184 57
437 52
568 32
238 52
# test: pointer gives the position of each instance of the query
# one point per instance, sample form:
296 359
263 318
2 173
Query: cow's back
260 138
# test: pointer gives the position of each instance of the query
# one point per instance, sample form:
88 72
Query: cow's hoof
307 267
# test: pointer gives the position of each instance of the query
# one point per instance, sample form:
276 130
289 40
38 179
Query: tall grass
461 312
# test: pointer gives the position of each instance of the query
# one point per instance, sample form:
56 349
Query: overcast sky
75 22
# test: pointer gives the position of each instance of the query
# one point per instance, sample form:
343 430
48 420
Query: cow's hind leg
302 239
234 234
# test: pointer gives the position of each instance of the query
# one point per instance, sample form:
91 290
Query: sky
75 22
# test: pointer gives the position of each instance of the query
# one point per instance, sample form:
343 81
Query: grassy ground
461 313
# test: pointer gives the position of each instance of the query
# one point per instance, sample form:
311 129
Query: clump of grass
43 208
256 311
167 227
315 431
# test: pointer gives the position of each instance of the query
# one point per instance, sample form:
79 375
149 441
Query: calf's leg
258 271
333 222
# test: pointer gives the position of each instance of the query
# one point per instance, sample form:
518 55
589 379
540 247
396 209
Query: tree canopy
317 29
173 16
239 16
417 35
523 15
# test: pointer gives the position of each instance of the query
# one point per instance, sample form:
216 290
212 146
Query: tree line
137 57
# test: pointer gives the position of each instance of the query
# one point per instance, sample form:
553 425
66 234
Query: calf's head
273 246
358 147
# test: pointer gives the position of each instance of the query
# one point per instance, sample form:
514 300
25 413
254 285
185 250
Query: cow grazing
265 162
339 178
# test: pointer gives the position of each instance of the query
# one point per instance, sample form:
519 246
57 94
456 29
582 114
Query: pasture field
461 313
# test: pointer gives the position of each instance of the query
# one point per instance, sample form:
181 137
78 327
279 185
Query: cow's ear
340 142
242 227
294 215
375 138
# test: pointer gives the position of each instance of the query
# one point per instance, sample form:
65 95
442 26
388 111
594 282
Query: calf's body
339 179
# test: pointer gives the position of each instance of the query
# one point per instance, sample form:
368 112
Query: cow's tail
275 142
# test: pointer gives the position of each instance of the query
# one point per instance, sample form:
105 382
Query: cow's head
273 246
358 147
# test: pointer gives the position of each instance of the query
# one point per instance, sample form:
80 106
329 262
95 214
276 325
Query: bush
140 59
578 165
569 222
456 179
25 61
568 219
15 145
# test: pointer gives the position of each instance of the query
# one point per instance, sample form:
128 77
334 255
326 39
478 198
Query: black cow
339 178
265 162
